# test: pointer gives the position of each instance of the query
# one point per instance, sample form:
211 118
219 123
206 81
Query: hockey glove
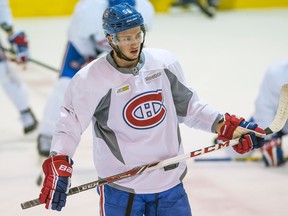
272 151
19 45
248 142
80 63
57 170
235 127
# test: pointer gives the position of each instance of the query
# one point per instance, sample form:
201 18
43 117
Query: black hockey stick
32 60
39 179
277 125
43 65
206 8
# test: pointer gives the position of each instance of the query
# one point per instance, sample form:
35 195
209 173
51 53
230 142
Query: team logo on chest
145 110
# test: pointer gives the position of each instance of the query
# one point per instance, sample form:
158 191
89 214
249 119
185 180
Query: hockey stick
32 60
39 178
206 8
43 65
228 159
171 162
277 124
282 112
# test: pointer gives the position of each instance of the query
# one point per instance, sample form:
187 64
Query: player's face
129 42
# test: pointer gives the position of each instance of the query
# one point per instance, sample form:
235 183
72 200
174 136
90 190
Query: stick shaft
140 170
33 60
43 65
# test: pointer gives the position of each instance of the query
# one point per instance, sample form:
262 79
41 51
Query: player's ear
109 38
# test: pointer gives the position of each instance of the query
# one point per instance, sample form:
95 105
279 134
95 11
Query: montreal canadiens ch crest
145 111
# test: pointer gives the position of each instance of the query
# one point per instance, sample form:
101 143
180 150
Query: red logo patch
145 110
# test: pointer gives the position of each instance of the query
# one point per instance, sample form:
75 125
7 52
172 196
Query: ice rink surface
223 58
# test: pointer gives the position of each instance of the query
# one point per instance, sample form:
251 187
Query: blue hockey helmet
116 2
120 18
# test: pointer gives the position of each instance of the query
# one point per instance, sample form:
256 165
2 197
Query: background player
135 97
10 82
265 108
86 41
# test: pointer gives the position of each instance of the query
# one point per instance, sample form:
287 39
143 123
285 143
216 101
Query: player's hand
236 127
58 171
19 43
248 142
81 62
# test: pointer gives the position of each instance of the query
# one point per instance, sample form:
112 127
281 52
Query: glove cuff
58 164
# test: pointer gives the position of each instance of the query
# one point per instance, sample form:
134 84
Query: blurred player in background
10 82
86 41
135 98
208 7
265 109
185 3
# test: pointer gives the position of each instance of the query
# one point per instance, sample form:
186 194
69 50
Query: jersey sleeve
191 109
76 114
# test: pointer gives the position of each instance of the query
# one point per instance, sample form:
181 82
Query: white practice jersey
5 13
85 30
268 96
135 115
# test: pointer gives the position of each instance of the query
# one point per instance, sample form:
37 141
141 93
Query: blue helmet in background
119 18
116 2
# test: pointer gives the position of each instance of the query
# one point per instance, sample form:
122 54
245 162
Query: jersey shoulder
279 67
277 72
161 55
92 75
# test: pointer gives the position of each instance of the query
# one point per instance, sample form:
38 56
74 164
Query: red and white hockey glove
58 171
19 44
235 127
272 151
80 62
248 142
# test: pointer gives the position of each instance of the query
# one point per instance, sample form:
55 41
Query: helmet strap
124 57
121 55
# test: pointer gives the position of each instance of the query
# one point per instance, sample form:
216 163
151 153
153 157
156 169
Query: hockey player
10 82
86 41
265 108
135 97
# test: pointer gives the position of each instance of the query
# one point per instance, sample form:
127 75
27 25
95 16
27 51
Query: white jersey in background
131 110
9 80
268 96
5 13
85 30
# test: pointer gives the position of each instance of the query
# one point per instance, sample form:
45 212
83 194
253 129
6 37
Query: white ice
223 58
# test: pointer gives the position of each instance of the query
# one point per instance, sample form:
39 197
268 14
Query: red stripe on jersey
102 200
